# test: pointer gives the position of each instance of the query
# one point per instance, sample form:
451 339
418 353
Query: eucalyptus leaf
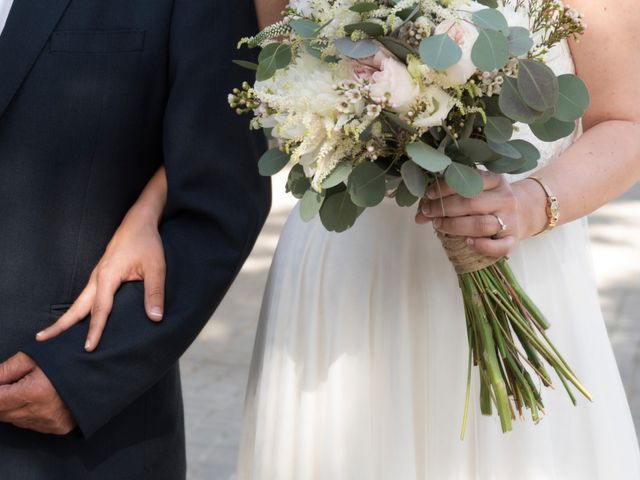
297 183
310 204
364 7
491 50
397 47
574 98
505 150
339 175
498 129
465 181
476 150
520 41
338 213
404 198
367 185
414 178
247 65
552 130
370 28
305 28
538 85
360 49
512 104
273 57
427 157
272 161
530 154
491 19
440 51
506 165
489 3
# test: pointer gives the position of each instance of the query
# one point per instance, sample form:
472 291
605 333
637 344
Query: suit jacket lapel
28 29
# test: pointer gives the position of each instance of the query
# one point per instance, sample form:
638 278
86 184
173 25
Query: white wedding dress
359 369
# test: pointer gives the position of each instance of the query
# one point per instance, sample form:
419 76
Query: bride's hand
135 253
478 218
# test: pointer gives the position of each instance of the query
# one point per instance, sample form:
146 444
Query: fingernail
87 345
426 208
437 222
39 334
470 241
156 312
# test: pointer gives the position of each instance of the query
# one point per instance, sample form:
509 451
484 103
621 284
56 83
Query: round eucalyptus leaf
370 28
391 182
552 130
272 58
512 104
491 50
538 85
498 129
464 180
530 154
520 41
359 49
338 213
476 150
574 98
415 180
506 165
404 198
297 183
427 157
310 204
272 161
367 185
506 150
489 3
339 175
491 19
440 51
305 28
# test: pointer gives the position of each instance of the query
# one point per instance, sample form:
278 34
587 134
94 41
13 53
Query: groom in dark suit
96 95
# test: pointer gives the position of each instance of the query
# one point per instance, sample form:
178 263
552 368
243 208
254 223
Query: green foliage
552 130
520 41
513 105
370 28
440 51
415 179
397 47
498 129
297 183
272 161
310 204
427 157
247 65
491 50
338 213
464 180
364 7
361 49
305 28
367 185
574 98
272 58
491 19
404 198
538 85
339 175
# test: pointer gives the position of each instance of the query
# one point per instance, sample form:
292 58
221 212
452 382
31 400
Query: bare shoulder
606 57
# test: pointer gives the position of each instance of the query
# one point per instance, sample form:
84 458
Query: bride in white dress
359 368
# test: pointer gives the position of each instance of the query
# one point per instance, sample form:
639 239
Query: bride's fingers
470 226
457 206
76 314
496 248
440 189
106 288
154 282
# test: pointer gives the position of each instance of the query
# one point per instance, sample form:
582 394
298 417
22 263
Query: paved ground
215 368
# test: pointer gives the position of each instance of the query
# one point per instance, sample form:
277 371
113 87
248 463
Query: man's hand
29 400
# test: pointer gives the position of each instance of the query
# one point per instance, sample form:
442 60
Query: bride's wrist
532 202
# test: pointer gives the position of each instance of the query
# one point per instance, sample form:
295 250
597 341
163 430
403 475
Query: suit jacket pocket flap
97 41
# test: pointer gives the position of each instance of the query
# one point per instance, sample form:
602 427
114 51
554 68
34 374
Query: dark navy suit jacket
95 95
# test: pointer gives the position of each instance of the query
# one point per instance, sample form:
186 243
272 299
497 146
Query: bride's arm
599 167
269 11
135 253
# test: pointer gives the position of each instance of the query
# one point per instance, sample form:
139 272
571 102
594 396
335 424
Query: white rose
465 35
442 103
392 78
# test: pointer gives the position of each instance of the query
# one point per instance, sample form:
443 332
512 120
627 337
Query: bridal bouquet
375 98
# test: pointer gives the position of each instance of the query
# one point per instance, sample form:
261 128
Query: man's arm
216 205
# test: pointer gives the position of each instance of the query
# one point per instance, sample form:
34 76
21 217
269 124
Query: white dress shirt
5 7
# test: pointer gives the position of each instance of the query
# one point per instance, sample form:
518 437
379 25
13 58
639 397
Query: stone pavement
215 368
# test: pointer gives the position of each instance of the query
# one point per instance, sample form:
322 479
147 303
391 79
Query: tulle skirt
359 370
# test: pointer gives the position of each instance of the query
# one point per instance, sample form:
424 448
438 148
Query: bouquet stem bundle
507 338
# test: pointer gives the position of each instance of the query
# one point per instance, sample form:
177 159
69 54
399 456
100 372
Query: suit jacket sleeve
217 204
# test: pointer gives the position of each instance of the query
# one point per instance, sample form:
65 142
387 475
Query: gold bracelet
553 206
